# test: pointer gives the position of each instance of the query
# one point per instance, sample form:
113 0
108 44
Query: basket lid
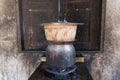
63 23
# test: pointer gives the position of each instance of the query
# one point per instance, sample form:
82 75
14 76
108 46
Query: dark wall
13 65
105 66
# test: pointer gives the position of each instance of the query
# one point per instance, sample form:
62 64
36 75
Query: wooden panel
34 12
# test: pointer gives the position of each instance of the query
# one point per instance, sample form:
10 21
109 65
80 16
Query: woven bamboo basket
60 32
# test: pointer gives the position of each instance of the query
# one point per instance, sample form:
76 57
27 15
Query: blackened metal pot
60 55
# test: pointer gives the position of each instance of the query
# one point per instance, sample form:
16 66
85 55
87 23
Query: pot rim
43 24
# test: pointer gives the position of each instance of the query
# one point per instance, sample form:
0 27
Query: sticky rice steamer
60 32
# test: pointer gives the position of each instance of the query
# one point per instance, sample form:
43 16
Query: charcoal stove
60 60
60 53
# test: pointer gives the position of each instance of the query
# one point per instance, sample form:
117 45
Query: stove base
81 73
71 75
54 74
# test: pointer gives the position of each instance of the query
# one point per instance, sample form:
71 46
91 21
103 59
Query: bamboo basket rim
59 25
63 23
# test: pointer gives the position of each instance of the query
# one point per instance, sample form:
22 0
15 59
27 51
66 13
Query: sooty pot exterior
60 56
